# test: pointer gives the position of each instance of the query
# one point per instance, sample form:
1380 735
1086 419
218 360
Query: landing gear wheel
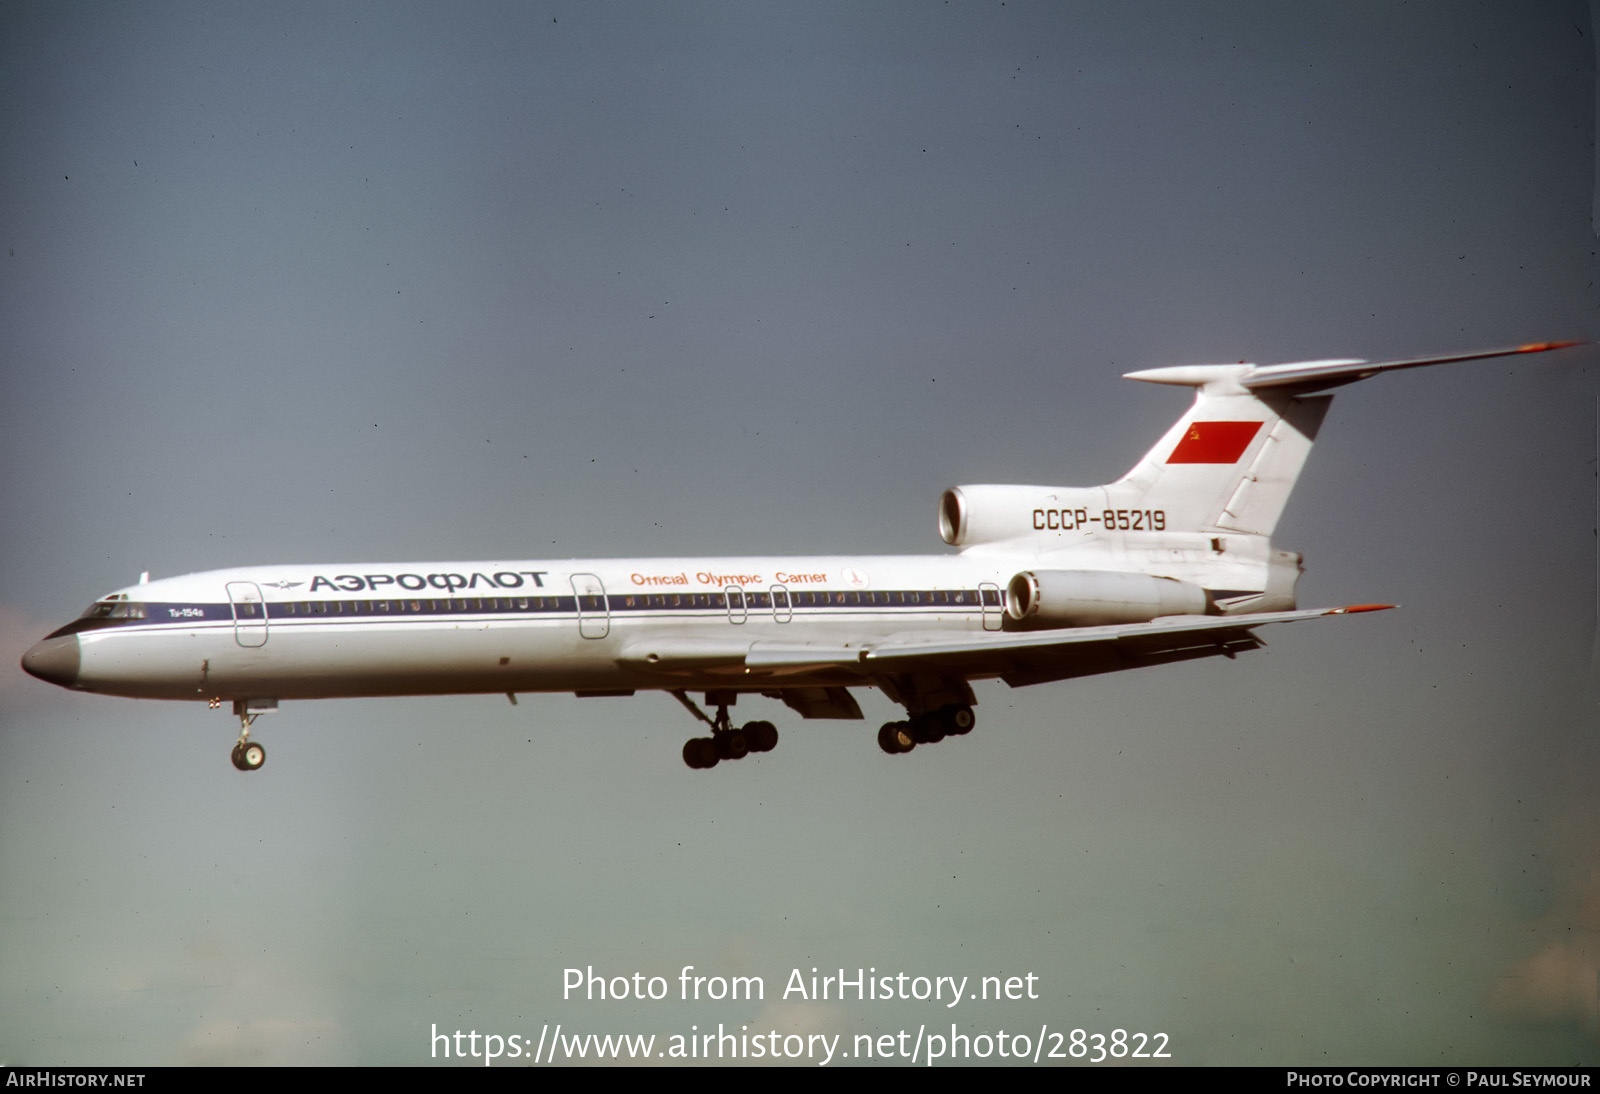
928 729
763 736
249 756
700 753
957 720
895 738
733 745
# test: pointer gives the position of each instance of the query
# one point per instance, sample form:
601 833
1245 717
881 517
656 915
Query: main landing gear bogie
702 753
898 738
727 741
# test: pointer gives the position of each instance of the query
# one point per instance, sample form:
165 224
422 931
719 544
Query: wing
1039 657
1017 657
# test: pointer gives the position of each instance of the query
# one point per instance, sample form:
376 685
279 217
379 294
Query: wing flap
1171 630
677 653
802 655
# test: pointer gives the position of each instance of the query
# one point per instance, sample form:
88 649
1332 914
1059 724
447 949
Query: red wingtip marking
1540 347
1351 609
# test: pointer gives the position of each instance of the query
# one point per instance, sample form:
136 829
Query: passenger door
594 610
249 613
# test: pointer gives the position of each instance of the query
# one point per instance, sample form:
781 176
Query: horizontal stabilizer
1303 376
1322 374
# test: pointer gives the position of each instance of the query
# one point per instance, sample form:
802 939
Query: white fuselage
323 631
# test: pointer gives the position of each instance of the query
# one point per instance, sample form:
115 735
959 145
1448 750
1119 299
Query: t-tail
1199 508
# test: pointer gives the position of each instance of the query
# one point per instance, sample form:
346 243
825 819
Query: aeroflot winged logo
1214 442
450 583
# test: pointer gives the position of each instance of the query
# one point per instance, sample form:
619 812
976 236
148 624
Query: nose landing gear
249 755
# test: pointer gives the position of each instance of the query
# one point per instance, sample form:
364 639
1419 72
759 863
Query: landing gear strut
726 741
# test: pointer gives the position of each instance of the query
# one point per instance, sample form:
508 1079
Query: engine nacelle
963 523
1088 598
976 516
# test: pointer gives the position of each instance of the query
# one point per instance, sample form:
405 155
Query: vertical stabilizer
1229 464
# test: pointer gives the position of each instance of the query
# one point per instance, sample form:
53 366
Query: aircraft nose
55 660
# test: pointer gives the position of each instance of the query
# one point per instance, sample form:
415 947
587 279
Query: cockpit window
109 609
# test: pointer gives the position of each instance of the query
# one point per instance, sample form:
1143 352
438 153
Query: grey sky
320 282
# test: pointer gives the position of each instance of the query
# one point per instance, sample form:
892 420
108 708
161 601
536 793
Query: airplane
1172 562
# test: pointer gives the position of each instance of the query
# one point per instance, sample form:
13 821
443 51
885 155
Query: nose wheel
249 755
